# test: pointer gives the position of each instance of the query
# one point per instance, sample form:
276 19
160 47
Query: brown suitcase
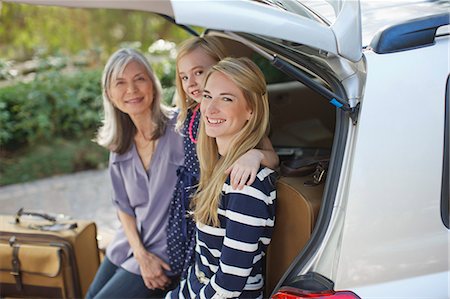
46 264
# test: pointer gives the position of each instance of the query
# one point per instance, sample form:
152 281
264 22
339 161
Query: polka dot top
181 227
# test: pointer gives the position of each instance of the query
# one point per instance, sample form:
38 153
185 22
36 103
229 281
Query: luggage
38 262
297 210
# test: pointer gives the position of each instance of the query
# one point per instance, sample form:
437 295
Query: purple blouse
145 195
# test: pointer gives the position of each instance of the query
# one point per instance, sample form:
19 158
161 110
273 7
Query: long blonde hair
250 80
118 130
212 47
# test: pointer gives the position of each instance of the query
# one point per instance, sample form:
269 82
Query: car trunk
304 125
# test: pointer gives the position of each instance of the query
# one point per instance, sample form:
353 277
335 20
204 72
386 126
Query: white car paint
342 38
393 231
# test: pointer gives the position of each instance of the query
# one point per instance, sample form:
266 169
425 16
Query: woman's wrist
259 154
140 253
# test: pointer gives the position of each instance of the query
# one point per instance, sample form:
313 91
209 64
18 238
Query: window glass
272 74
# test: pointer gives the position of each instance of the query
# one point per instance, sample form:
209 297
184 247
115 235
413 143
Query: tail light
294 293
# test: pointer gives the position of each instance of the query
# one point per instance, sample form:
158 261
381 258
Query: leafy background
50 66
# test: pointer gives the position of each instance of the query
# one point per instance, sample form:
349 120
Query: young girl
195 57
234 227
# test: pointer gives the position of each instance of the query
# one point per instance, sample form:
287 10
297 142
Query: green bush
46 125
51 105
57 104
47 159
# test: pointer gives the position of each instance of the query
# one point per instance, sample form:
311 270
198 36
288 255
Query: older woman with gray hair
145 154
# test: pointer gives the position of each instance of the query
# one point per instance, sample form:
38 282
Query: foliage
51 105
30 30
50 69
58 156
58 104
47 123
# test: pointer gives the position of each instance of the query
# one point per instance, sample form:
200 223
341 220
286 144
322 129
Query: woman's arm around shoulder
244 170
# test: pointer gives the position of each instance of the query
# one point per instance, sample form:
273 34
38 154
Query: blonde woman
234 227
195 57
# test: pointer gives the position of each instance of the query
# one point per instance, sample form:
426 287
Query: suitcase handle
21 212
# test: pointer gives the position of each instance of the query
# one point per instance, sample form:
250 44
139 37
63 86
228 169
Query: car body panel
404 238
343 38
347 29
377 15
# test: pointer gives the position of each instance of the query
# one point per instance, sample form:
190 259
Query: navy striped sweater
229 258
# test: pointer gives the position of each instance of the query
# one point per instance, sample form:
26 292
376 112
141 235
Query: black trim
336 159
409 35
329 196
325 213
445 191
338 100
297 74
312 282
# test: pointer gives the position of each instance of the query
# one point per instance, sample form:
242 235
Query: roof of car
408 35
377 15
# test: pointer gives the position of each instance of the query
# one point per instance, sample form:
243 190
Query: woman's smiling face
132 91
224 109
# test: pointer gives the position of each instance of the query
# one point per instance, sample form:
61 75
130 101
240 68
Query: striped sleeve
249 216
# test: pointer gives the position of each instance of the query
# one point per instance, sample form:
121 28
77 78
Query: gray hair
118 130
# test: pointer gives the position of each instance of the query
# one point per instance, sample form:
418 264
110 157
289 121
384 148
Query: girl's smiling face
224 109
132 91
192 69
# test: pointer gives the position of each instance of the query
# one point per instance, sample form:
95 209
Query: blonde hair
118 130
212 47
250 80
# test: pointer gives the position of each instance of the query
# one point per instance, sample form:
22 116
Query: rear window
272 74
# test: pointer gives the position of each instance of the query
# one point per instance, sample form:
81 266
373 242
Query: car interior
302 125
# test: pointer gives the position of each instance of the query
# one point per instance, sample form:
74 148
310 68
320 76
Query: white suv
377 101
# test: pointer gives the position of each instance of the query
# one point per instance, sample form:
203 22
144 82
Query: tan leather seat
296 214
